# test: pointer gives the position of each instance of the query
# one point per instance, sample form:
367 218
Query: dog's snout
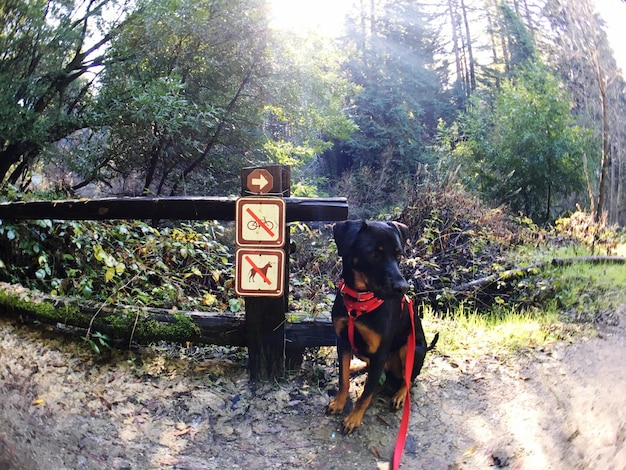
400 287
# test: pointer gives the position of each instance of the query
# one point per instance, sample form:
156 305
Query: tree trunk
455 41
470 54
602 190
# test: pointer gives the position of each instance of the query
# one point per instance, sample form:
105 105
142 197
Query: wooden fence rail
219 328
160 208
265 329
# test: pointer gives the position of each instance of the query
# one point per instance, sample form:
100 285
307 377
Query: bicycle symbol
253 224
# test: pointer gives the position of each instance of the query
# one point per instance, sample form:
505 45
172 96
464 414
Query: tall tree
520 48
180 107
462 45
524 150
400 99
579 49
50 52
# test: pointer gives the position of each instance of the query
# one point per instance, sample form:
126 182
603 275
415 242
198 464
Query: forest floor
559 406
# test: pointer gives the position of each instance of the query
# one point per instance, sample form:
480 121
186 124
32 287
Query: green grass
577 297
470 334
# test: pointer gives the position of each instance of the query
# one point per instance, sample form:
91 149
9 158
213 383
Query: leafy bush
188 266
454 239
314 268
580 227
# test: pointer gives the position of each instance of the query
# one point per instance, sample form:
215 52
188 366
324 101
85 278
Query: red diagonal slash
260 222
258 270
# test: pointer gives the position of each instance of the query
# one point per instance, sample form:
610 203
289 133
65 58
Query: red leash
408 370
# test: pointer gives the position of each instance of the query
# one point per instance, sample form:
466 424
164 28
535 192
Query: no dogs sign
259 272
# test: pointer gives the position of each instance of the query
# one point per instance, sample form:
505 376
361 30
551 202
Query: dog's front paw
351 422
336 406
398 399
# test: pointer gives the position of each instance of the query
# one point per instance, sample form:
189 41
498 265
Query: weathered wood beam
181 208
144 325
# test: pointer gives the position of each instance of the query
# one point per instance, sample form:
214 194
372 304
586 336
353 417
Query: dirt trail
563 407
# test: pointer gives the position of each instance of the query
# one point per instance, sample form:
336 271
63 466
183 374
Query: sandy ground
62 407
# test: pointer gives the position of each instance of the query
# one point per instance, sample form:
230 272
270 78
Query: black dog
372 292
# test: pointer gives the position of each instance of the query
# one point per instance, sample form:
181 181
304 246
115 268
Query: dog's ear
402 230
345 233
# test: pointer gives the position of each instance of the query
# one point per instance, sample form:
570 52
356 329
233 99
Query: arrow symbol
261 182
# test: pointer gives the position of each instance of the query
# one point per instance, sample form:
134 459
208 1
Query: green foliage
308 97
43 90
96 340
400 95
521 46
522 150
314 269
181 99
127 263
499 332
581 292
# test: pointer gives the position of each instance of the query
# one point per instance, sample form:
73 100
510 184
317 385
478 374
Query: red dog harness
358 303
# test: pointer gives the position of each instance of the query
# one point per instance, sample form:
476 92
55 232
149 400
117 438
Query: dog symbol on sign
262 271
259 272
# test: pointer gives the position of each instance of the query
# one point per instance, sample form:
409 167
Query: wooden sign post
262 266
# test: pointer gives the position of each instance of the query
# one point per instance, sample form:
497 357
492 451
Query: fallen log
144 325
520 272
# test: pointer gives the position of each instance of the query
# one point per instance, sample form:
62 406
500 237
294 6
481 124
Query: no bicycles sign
260 222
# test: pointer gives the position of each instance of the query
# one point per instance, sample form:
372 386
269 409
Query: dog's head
371 252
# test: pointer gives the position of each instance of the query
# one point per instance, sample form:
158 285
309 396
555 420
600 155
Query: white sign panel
259 272
260 221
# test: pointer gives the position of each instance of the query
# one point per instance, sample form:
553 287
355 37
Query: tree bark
470 53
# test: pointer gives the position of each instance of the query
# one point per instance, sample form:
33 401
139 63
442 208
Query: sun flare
326 17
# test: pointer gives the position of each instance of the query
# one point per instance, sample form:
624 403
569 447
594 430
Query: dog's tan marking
371 338
355 418
399 397
397 366
338 403
394 365
339 324
360 281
